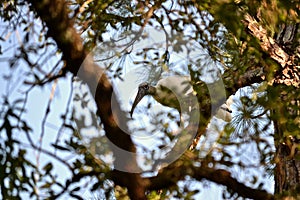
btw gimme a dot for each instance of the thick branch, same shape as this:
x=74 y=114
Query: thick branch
x=169 y=176
x=289 y=72
x=268 y=44
x=224 y=177
x=55 y=15
x=236 y=82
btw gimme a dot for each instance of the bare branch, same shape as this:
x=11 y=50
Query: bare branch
x=181 y=168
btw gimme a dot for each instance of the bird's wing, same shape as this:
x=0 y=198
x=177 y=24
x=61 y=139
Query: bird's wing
x=173 y=91
x=178 y=84
x=166 y=97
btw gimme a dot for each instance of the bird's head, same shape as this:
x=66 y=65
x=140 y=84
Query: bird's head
x=144 y=89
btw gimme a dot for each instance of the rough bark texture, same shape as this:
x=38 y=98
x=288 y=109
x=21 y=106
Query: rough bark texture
x=287 y=158
x=287 y=173
x=288 y=74
x=284 y=50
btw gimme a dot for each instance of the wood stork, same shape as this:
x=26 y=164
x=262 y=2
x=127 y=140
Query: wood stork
x=167 y=92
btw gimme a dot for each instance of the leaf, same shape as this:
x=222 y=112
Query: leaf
x=25 y=127
x=95 y=186
x=46 y=185
x=76 y=189
x=48 y=167
x=60 y=147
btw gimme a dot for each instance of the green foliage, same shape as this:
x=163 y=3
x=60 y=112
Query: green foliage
x=286 y=111
x=15 y=167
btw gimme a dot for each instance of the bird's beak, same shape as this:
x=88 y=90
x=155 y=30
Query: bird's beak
x=141 y=93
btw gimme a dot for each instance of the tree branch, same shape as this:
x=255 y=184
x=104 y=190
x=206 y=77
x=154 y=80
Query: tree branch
x=224 y=177
x=289 y=72
x=268 y=44
x=170 y=175
x=236 y=82
x=55 y=15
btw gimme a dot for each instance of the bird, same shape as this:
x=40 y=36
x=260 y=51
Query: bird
x=168 y=91
x=174 y=92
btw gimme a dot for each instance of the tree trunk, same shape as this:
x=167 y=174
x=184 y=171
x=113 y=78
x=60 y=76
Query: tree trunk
x=287 y=159
x=287 y=171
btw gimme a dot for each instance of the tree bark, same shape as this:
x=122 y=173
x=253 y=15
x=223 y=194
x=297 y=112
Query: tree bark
x=170 y=175
x=61 y=28
x=287 y=157
x=287 y=171
x=288 y=74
